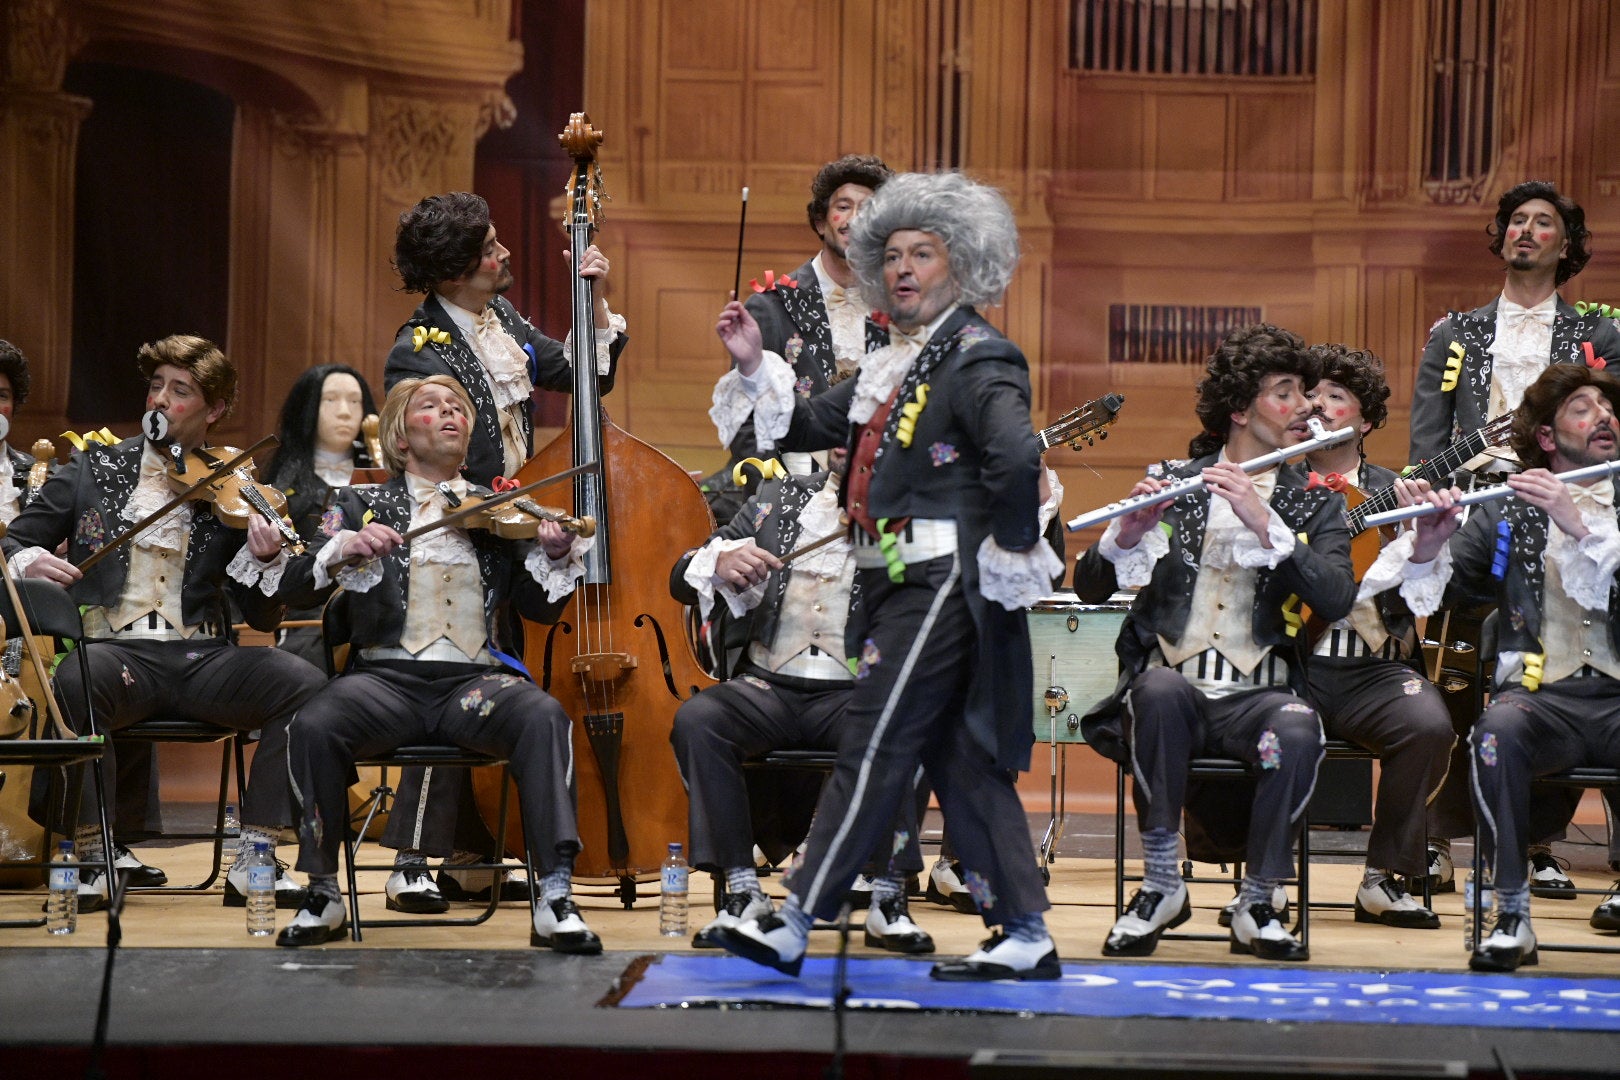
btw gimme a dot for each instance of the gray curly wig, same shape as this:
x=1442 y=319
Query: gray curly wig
x=974 y=221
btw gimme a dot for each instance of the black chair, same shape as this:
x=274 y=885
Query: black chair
x=51 y=612
x=339 y=658
x=1214 y=768
x=167 y=729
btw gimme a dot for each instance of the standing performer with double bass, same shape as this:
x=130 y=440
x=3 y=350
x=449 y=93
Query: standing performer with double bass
x=446 y=248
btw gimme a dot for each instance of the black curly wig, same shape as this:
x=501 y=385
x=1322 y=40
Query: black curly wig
x=862 y=169
x=439 y=239
x=1360 y=372
x=1233 y=374
x=14 y=366
x=1575 y=230
x=1540 y=407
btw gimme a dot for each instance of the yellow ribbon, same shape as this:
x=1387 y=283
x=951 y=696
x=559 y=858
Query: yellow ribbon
x=768 y=469
x=1448 y=381
x=424 y=334
x=1290 y=608
x=908 y=416
x=1534 y=667
x=90 y=438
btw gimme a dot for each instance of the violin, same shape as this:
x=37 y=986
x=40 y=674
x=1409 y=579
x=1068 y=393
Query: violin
x=233 y=493
x=517 y=518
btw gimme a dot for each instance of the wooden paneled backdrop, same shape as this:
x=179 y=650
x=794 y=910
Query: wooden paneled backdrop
x=1329 y=163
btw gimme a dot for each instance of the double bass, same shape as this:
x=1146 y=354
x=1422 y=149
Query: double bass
x=618 y=658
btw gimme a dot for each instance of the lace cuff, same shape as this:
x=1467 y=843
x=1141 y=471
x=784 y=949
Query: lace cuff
x=1016 y=579
x=559 y=576
x=20 y=562
x=248 y=570
x=356 y=579
x=1423 y=584
x=604 y=342
x=700 y=575
x=1049 y=508
x=1588 y=567
x=767 y=393
x=1133 y=567
x=1249 y=553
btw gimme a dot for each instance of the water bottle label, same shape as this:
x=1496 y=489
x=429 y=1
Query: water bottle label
x=261 y=877
x=675 y=878
x=66 y=878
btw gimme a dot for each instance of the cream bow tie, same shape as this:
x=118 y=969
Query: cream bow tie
x=1515 y=314
x=838 y=296
x=915 y=337
x=1599 y=494
x=423 y=492
x=488 y=320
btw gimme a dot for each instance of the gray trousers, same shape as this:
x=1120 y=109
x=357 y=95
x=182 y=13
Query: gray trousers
x=718 y=729
x=1390 y=709
x=247 y=688
x=1168 y=723
x=908 y=707
x=379 y=707
x=1523 y=735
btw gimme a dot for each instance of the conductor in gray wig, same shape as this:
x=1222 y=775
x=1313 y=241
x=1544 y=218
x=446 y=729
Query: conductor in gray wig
x=972 y=219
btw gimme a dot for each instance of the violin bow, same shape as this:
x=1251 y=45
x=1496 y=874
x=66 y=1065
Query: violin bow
x=479 y=507
x=163 y=511
x=742 y=223
x=814 y=545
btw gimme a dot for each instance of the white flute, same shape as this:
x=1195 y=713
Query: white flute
x=1322 y=438
x=1487 y=494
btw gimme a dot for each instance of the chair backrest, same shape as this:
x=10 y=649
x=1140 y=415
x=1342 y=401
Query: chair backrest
x=336 y=633
x=48 y=608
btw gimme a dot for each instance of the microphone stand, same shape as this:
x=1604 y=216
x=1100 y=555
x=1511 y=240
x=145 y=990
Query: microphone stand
x=840 y=998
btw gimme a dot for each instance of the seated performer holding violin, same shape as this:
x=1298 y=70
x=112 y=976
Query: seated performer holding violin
x=429 y=667
x=152 y=579
x=1360 y=676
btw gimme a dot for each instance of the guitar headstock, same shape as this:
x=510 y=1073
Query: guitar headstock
x=1087 y=424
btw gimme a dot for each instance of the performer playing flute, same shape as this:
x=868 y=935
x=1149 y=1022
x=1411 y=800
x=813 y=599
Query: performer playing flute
x=1209 y=663
x=1549 y=553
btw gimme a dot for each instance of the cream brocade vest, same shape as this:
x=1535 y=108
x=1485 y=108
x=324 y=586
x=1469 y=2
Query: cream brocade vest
x=1571 y=635
x=446 y=600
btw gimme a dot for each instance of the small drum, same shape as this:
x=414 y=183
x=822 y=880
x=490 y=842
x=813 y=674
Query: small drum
x=1073 y=649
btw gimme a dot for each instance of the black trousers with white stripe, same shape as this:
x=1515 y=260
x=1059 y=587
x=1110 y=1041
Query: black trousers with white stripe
x=907 y=706
x=1168 y=723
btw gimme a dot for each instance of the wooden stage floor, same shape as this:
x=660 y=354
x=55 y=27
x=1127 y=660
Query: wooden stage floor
x=188 y=978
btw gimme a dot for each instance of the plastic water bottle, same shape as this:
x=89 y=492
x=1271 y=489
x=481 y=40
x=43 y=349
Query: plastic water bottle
x=261 y=891
x=231 y=844
x=1487 y=899
x=672 y=897
x=62 y=906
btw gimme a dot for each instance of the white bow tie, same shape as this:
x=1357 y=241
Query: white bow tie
x=1599 y=494
x=488 y=320
x=1517 y=314
x=423 y=491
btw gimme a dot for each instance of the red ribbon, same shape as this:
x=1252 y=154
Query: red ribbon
x=772 y=281
x=501 y=483
x=1332 y=481
x=1593 y=360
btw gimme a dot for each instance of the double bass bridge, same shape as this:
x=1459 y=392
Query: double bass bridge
x=603 y=667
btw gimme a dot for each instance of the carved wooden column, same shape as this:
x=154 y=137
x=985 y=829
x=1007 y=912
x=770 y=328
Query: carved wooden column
x=39 y=127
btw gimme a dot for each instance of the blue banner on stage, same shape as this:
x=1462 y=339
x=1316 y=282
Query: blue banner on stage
x=1161 y=990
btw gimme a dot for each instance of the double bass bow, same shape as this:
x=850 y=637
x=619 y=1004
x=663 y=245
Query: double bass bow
x=617 y=659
